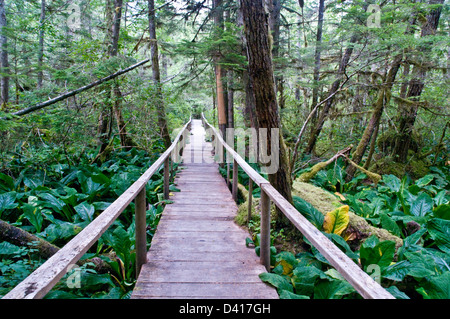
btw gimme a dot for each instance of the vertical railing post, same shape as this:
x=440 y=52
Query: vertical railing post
x=166 y=178
x=250 y=199
x=235 y=180
x=141 y=230
x=265 y=230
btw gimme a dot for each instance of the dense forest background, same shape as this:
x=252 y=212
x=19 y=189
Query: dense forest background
x=360 y=92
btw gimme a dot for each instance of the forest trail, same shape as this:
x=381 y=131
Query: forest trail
x=198 y=251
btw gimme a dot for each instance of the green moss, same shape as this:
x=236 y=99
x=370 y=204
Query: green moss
x=325 y=202
x=416 y=168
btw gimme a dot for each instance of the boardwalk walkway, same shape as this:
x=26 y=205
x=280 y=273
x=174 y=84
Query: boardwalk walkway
x=198 y=251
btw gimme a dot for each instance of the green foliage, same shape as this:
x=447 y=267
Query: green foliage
x=58 y=205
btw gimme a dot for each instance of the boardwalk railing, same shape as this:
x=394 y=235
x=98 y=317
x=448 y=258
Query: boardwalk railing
x=361 y=281
x=39 y=283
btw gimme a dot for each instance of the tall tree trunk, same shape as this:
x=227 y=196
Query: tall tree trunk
x=334 y=87
x=125 y=139
x=159 y=99
x=408 y=111
x=263 y=83
x=383 y=99
x=4 y=81
x=317 y=54
x=221 y=92
x=40 y=76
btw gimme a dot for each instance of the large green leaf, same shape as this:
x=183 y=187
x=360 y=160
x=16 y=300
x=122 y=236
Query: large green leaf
x=438 y=287
x=34 y=216
x=397 y=271
x=375 y=252
x=422 y=205
x=439 y=229
x=424 y=180
x=286 y=294
x=442 y=211
x=7 y=182
x=389 y=224
x=332 y=289
x=85 y=211
x=278 y=281
x=392 y=182
x=309 y=211
x=7 y=201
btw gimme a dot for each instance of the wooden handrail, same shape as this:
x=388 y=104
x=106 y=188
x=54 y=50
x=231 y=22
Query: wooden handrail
x=361 y=281
x=39 y=283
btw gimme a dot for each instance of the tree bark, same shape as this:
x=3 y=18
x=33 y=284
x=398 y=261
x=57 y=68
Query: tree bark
x=334 y=87
x=22 y=238
x=383 y=99
x=408 y=112
x=262 y=79
x=40 y=76
x=159 y=99
x=317 y=54
x=220 y=73
x=4 y=82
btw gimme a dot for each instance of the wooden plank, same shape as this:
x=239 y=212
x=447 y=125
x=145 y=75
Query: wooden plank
x=198 y=251
x=202 y=290
x=39 y=283
x=199 y=271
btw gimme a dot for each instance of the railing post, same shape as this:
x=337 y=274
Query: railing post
x=141 y=230
x=265 y=230
x=235 y=180
x=250 y=199
x=166 y=178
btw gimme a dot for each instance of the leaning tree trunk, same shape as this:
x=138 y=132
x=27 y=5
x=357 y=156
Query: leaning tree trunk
x=383 y=99
x=159 y=99
x=408 y=111
x=263 y=83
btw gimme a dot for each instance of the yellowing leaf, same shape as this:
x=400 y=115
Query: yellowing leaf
x=340 y=195
x=336 y=221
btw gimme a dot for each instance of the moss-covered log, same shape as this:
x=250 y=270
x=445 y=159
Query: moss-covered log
x=21 y=238
x=325 y=202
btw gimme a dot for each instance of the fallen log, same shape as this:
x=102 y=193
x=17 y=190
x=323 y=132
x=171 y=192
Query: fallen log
x=20 y=237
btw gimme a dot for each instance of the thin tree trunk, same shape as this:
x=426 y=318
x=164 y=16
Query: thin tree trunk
x=4 y=82
x=40 y=76
x=408 y=112
x=334 y=87
x=318 y=51
x=383 y=99
x=159 y=99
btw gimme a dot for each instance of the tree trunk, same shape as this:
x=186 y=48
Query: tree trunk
x=408 y=111
x=22 y=238
x=221 y=92
x=159 y=99
x=4 y=82
x=262 y=79
x=317 y=54
x=334 y=87
x=383 y=98
x=41 y=46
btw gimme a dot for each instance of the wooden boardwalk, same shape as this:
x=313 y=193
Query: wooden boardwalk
x=198 y=251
